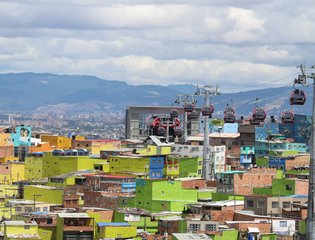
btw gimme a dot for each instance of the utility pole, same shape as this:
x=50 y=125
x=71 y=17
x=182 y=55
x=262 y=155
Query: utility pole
x=184 y=99
x=207 y=166
x=34 y=203
x=310 y=234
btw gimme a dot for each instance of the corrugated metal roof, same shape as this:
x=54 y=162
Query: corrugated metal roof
x=113 y=224
x=73 y=215
x=19 y=223
x=191 y=236
x=23 y=236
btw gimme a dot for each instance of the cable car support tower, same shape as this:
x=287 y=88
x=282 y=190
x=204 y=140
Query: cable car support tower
x=310 y=234
x=207 y=165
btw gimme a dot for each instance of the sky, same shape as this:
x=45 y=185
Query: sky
x=237 y=44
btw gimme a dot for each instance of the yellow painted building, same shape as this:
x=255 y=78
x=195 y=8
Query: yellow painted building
x=115 y=230
x=11 y=172
x=47 y=165
x=8 y=191
x=9 y=159
x=14 y=229
x=5 y=139
x=152 y=150
x=57 y=142
x=96 y=146
x=6 y=210
x=45 y=194
x=130 y=164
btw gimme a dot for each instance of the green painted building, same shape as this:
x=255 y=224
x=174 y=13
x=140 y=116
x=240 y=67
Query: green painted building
x=190 y=167
x=47 y=165
x=162 y=195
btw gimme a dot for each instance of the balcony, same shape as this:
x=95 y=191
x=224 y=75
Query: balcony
x=77 y=224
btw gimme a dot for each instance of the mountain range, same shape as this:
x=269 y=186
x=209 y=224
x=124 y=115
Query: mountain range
x=46 y=92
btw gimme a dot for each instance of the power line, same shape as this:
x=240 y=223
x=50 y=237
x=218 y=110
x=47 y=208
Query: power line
x=266 y=83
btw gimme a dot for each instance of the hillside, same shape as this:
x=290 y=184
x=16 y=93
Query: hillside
x=42 y=92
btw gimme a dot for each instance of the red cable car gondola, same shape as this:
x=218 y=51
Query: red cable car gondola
x=298 y=97
x=189 y=107
x=207 y=110
x=193 y=115
x=259 y=114
x=174 y=113
x=287 y=117
x=253 y=121
x=229 y=117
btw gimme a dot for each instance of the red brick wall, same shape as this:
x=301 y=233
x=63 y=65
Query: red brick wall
x=244 y=183
x=301 y=187
x=6 y=151
x=222 y=216
x=242 y=217
x=242 y=227
x=199 y=183
x=71 y=201
x=298 y=161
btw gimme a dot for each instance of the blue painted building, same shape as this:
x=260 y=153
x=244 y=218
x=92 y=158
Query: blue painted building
x=230 y=128
x=263 y=147
x=261 y=133
x=277 y=162
x=247 y=154
x=156 y=167
x=299 y=130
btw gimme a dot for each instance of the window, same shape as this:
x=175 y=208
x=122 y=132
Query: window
x=37 y=209
x=275 y=204
x=249 y=203
x=260 y=204
x=283 y=223
x=28 y=209
x=27 y=227
x=49 y=221
x=288 y=187
x=211 y=227
x=18 y=209
x=194 y=227
x=45 y=209
x=199 y=171
x=56 y=180
x=286 y=204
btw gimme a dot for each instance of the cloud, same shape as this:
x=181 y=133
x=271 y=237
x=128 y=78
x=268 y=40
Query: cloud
x=238 y=44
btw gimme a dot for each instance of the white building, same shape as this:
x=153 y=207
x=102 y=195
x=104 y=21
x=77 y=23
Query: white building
x=217 y=154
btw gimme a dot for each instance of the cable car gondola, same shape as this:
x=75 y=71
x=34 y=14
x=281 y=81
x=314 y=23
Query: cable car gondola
x=254 y=121
x=259 y=114
x=287 y=117
x=189 y=107
x=229 y=109
x=229 y=117
x=160 y=131
x=207 y=110
x=297 y=97
x=178 y=132
x=193 y=115
x=174 y=113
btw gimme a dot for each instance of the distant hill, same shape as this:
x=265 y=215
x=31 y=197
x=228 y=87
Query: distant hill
x=42 y=92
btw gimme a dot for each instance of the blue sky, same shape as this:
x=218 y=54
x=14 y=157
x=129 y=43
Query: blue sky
x=238 y=44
